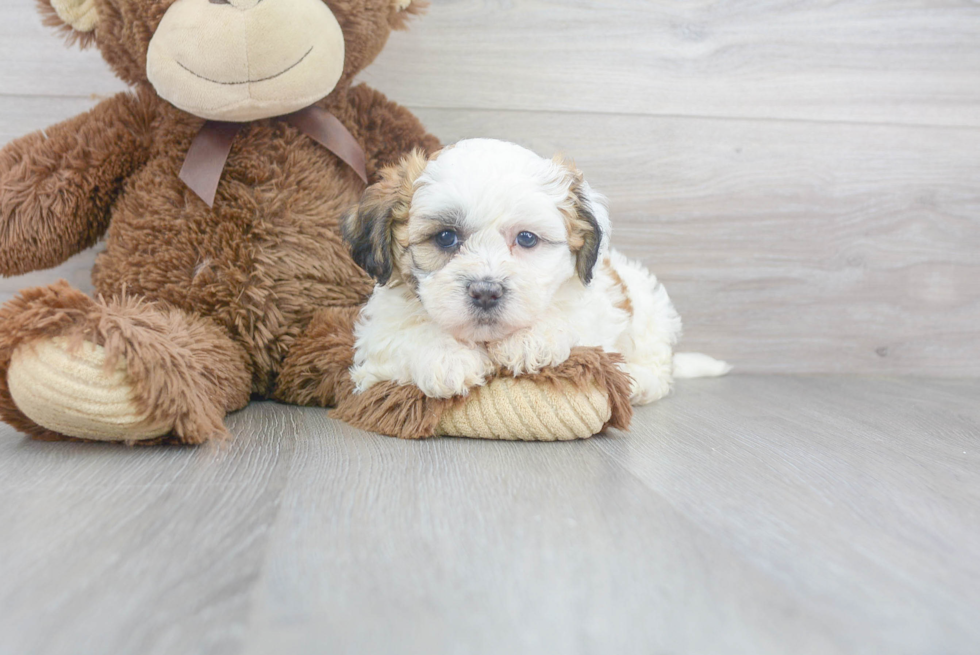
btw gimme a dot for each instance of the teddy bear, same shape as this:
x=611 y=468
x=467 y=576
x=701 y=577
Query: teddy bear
x=197 y=305
x=218 y=183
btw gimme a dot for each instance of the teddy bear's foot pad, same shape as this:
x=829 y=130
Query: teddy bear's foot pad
x=71 y=391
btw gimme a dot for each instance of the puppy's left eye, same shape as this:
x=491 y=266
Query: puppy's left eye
x=527 y=239
x=447 y=239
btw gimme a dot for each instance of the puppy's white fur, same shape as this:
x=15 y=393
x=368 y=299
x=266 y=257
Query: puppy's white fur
x=423 y=327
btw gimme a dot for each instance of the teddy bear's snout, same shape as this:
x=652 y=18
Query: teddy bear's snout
x=242 y=5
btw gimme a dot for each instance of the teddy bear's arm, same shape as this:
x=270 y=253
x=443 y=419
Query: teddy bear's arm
x=57 y=185
x=387 y=130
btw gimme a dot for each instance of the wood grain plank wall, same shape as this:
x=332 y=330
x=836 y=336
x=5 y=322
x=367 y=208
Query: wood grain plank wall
x=803 y=175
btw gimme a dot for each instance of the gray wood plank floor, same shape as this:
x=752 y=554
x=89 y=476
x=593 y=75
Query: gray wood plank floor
x=741 y=515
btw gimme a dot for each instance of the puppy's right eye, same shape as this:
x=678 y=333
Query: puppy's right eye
x=527 y=239
x=447 y=239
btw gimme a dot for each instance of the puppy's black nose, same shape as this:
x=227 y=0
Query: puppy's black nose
x=485 y=294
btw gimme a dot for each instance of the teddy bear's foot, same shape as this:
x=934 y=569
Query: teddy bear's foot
x=123 y=370
x=74 y=391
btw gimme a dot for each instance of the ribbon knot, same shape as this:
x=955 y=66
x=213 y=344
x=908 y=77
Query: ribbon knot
x=208 y=154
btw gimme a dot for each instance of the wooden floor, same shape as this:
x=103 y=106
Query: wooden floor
x=742 y=515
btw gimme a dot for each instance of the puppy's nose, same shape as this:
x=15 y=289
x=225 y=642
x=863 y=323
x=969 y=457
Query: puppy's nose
x=485 y=294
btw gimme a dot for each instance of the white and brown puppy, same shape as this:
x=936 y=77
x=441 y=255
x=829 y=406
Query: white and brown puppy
x=489 y=257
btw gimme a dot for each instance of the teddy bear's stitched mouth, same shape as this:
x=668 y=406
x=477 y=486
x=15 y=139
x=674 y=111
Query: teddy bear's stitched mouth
x=263 y=79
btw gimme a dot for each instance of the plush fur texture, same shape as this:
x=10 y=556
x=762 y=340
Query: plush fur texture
x=185 y=368
x=491 y=259
x=316 y=373
x=204 y=304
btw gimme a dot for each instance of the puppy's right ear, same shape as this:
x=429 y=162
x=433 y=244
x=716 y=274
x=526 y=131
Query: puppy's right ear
x=372 y=227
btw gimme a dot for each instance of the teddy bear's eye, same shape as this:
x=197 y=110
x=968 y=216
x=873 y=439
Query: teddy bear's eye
x=527 y=239
x=447 y=239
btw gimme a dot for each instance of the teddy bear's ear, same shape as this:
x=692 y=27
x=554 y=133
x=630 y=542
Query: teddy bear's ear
x=76 y=18
x=402 y=10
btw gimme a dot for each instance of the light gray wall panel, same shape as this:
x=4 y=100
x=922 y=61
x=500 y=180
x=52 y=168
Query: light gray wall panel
x=803 y=176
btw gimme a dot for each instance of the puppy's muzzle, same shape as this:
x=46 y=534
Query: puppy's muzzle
x=485 y=294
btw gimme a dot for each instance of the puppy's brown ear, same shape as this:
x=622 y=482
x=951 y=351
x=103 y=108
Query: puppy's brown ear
x=587 y=224
x=587 y=221
x=372 y=227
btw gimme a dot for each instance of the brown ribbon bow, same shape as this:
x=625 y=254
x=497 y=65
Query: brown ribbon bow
x=209 y=150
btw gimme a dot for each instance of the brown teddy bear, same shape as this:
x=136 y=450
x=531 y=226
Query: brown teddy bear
x=220 y=181
x=198 y=305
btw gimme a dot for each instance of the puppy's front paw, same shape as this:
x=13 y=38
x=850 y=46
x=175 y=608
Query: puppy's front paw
x=451 y=373
x=530 y=350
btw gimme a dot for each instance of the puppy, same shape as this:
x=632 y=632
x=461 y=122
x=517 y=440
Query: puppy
x=489 y=257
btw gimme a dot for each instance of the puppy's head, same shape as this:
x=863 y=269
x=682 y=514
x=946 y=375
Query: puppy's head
x=485 y=233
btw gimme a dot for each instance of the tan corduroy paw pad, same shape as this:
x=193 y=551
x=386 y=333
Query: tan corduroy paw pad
x=80 y=14
x=71 y=392
x=519 y=409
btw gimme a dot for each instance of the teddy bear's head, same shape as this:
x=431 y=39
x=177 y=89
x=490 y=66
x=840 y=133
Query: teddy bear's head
x=234 y=60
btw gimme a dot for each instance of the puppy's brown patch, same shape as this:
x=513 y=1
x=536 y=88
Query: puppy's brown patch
x=625 y=304
x=377 y=228
x=424 y=254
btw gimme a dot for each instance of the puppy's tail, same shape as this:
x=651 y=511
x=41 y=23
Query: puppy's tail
x=696 y=365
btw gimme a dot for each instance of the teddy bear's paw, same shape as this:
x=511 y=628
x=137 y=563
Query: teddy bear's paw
x=71 y=391
x=528 y=351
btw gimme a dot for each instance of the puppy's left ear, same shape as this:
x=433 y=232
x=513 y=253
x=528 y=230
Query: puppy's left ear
x=371 y=227
x=587 y=220
x=402 y=10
